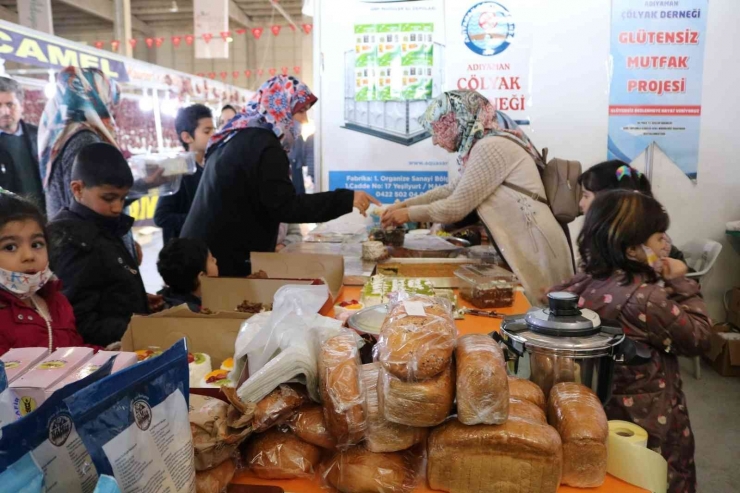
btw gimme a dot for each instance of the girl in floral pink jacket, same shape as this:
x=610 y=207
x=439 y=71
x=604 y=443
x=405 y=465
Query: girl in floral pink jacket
x=658 y=307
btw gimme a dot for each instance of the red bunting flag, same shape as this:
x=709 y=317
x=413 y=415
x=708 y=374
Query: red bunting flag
x=257 y=32
x=225 y=35
x=115 y=44
x=201 y=74
x=297 y=69
x=133 y=42
x=248 y=73
x=275 y=29
x=261 y=72
x=235 y=74
x=307 y=28
x=149 y=42
x=224 y=75
x=176 y=40
x=160 y=42
x=284 y=70
x=99 y=45
x=241 y=31
x=207 y=37
x=212 y=75
x=273 y=71
x=189 y=39
x=292 y=27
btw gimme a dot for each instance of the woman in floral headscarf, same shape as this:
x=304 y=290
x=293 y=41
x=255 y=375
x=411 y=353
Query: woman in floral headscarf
x=79 y=114
x=497 y=166
x=246 y=190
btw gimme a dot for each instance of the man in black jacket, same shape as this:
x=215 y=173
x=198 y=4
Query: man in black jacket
x=19 y=161
x=194 y=126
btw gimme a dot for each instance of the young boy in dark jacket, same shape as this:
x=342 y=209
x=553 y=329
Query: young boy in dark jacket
x=182 y=263
x=100 y=277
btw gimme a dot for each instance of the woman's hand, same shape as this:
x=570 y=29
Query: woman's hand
x=363 y=200
x=395 y=218
x=392 y=208
x=673 y=269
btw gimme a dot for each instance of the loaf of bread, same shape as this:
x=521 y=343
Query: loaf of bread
x=526 y=410
x=215 y=480
x=524 y=390
x=279 y=405
x=341 y=389
x=482 y=387
x=309 y=424
x=577 y=414
x=421 y=404
x=413 y=347
x=518 y=456
x=383 y=435
x=279 y=454
x=357 y=470
x=548 y=370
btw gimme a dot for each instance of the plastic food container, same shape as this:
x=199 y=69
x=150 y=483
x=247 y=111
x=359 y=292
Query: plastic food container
x=487 y=286
x=485 y=253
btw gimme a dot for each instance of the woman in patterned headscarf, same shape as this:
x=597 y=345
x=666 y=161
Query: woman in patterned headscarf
x=79 y=114
x=492 y=152
x=246 y=190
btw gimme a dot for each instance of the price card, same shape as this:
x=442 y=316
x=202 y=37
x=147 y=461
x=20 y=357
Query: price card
x=415 y=308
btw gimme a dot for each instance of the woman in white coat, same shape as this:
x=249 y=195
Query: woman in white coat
x=525 y=230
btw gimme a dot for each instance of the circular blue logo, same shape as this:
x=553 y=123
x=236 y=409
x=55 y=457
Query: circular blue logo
x=488 y=28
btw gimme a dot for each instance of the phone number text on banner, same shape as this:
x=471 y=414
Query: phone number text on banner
x=388 y=186
x=657 y=50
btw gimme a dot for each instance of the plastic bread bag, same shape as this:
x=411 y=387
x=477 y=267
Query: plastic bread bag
x=383 y=435
x=139 y=416
x=214 y=441
x=49 y=435
x=482 y=386
x=417 y=338
x=23 y=476
x=107 y=484
x=278 y=406
x=215 y=480
x=421 y=404
x=164 y=169
x=309 y=424
x=280 y=454
x=357 y=470
x=342 y=391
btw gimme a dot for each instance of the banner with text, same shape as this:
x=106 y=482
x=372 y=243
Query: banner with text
x=657 y=50
x=388 y=186
x=489 y=47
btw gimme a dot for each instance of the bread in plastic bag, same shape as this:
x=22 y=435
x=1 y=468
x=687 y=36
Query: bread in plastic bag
x=518 y=455
x=342 y=393
x=383 y=435
x=278 y=406
x=525 y=390
x=280 y=454
x=421 y=404
x=309 y=424
x=214 y=441
x=576 y=412
x=357 y=470
x=482 y=387
x=414 y=347
x=519 y=409
x=215 y=480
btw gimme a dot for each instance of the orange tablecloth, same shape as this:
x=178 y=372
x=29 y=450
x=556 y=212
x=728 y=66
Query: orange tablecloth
x=471 y=325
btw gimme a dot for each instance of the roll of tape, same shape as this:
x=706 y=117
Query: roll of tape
x=629 y=459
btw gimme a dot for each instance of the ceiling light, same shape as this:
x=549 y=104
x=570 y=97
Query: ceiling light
x=146 y=104
x=307 y=9
x=229 y=39
x=49 y=90
x=174 y=7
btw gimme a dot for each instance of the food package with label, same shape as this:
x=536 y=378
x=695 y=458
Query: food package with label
x=483 y=458
x=279 y=406
x=280 y=454
x=121 y=360
x=383 y=435
x=421 y=404
x=525 y=390
x=214 y=441
x=576 y=412
x=482 y=386
x=357 y=470
x=140 y=416
x=19 y=360
x=309 y=424
x=50 y=437
x=417 y=338
x=215 y=480
x=342 y=393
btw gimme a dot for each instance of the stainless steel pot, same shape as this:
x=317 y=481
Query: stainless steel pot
x=564 y=344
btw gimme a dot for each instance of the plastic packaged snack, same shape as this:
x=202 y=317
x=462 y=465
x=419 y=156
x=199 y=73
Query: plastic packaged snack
x=383 y=435
x=482 y=388
x=49 y=435
x=576 y=412
x=139 y=416
x=357 y=470
x=487 y=285
x=279 y=454
x=215 y=480
x=24 y=476
x=214 y=440
x=342 y=393
x=421 y=404
x=278 y=406
x=417 y=338
x=309 y=424
x=524 y=390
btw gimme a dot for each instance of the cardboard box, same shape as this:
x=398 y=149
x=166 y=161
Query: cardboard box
x=123 y=360
x=733 y=308
x=33 y=388
x=724 y=351
x=302 y=266
x=224 y=294
x=19 y=360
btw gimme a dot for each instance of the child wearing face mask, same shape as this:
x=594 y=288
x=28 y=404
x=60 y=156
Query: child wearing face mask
x=33 y=310
x=625 y=279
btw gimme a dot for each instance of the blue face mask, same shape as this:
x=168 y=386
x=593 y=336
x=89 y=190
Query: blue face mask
x=107 y=484
x=24 y=476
